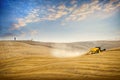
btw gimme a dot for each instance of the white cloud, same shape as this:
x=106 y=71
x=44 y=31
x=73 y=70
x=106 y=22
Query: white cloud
x=20 y=23
x=50 y=13
x=94 y=8
x=108 y=10
x=31 y=17
x=83 y=11
x=73 y=2
x=74 y=13
x=62 y=7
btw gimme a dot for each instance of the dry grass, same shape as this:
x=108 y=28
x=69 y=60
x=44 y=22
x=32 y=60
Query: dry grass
x=21 y=61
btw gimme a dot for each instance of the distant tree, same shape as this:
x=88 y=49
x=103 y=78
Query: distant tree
x=15 y=38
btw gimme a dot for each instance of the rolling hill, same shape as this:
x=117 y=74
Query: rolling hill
x=30 y=60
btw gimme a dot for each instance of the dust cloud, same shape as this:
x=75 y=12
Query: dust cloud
x=66 y=51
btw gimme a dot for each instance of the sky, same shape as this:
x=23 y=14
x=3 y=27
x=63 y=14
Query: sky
x=60 y=20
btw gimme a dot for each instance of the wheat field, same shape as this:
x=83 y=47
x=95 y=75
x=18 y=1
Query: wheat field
x=22 y=61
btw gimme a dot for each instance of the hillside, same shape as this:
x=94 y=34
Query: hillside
x=77 y=45
x=27 y=60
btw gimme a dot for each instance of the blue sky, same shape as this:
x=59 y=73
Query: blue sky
x=60 y=20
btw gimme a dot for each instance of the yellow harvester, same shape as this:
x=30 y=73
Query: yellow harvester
x=95 y=50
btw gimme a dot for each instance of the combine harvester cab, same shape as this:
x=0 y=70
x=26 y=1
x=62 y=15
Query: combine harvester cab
x=95 y=50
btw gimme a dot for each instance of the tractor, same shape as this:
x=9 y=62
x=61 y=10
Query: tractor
x=96 y=50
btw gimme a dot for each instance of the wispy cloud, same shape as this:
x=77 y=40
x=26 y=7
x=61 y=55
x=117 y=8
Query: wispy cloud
x=73 y=2
x=95 y=7
x=109 y=9
x=72 y=13
x=31 y=17
x=38 y=15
